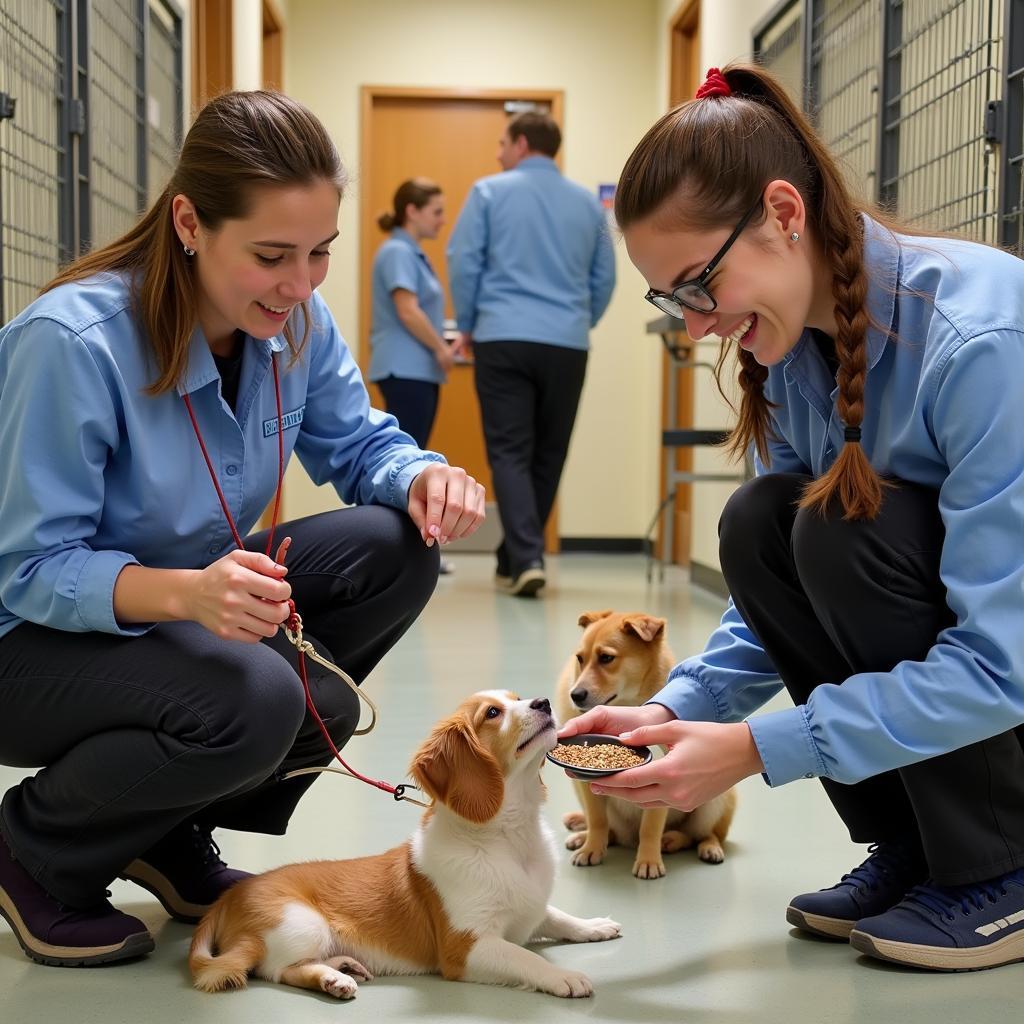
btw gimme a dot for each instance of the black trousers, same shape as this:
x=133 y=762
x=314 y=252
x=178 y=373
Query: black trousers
x=528 y=394
x=828 y=598
x=413 y=403
x=136 y=735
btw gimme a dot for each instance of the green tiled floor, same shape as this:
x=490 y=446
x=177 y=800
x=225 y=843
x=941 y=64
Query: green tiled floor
x=704 y=944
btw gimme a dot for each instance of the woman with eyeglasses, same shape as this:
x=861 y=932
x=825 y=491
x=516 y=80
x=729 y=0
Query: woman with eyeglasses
x=876 y=562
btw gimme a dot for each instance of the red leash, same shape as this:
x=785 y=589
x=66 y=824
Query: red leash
x=293 y=625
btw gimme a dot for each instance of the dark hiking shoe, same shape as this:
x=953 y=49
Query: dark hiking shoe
x=184 y=872
x=61 y=936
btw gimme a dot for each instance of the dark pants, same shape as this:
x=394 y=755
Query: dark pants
x=413 y=403
x=528 y=395
x=137 y=734
x=828 y=598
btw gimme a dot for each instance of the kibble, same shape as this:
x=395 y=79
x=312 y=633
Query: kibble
x=602 y=756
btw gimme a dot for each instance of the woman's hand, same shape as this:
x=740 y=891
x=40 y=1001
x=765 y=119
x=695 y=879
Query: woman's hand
x=611 y=721
x=444 y=358
x=704 y=759
x=445 y=503
x=462 y=347
x=242 y=596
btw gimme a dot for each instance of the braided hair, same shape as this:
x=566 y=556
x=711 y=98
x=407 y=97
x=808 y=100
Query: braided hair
x=701 y=166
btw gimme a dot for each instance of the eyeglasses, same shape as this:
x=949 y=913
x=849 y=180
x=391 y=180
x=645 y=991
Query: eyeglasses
x=693 y=294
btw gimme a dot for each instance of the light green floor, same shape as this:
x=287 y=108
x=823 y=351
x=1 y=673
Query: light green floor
x=704 y=944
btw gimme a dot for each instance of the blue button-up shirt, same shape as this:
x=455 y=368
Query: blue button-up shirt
x=943 y=408
x=531 y=258
x=401 y=263
x=96 y=474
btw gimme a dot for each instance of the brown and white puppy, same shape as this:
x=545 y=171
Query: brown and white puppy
x=624 y=659
x=459 y=898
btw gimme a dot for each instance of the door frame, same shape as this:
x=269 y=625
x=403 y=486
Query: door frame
x=683 y=78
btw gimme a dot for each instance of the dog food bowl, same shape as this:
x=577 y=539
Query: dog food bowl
x=593 y=739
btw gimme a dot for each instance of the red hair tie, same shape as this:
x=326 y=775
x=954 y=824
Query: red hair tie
x=714 y=85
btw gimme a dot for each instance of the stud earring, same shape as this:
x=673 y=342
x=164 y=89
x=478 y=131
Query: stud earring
x=795 y=237
x=188 y=251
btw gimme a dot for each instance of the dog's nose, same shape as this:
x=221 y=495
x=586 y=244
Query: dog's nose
x=579 y=697
x=541 y=704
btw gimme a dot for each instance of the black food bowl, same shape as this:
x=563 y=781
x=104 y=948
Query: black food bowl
x=593 y=739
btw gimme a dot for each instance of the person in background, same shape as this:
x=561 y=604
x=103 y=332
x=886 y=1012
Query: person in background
x=143 y=668
x=876 y=562
x=410 y=359
x=531 y=270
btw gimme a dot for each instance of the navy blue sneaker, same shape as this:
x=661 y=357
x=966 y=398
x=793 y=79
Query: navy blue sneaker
x=873 y=887
x=950 y=928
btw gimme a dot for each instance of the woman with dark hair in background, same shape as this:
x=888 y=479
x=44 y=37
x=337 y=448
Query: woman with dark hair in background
x=410 y=358
x=142 y=663
x=876 y=563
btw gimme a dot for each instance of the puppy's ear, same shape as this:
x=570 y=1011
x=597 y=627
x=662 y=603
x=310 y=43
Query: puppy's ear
x=455 y=769
x=646 y=627
x=588 y=617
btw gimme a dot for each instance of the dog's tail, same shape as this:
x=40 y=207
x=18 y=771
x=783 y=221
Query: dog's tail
x=213 y=969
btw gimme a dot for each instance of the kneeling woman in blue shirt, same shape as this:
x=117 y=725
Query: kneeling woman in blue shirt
x=876 y=563
x=410 y=358
x=142 y=660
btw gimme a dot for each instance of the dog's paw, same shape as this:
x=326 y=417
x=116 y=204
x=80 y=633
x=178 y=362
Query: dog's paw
x=710 y=850
x=589 y=856
x=575 y=821
x=598 y=929
x=567 y=984
x=339 y=985
x=674 y=840
x=649 y=868
x=349 y=965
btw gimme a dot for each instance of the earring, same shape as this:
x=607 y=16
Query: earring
x=188 y=251
x=795 y=237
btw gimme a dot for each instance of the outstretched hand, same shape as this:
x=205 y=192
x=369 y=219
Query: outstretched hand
x=703 y=760
x=445 y=503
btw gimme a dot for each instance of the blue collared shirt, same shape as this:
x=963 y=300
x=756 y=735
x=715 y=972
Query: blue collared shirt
x=401 y=263
x=943 y=408
x=531 y=258
x=96 y=474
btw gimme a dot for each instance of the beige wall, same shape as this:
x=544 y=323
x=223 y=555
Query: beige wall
x=600 y=52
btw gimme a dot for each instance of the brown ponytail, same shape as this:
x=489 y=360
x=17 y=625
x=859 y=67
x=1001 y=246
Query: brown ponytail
x=416 y=192
x=702 y=165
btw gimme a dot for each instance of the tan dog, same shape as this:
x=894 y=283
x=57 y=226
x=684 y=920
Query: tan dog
x=459 y=898
x=623 y=659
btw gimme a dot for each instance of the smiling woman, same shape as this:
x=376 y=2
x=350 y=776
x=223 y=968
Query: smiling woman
x=875 y=563
x=141 y=657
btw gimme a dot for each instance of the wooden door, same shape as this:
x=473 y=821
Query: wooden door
x=452 y=138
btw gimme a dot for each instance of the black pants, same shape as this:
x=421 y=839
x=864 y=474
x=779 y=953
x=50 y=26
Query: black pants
x=135 y=735
x=529 y=394
x=828 y=598
x=413 y=403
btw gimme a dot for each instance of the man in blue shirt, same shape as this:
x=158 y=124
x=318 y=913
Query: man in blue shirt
x=531 y=270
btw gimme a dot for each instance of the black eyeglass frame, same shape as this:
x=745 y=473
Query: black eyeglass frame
x=653 y=295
